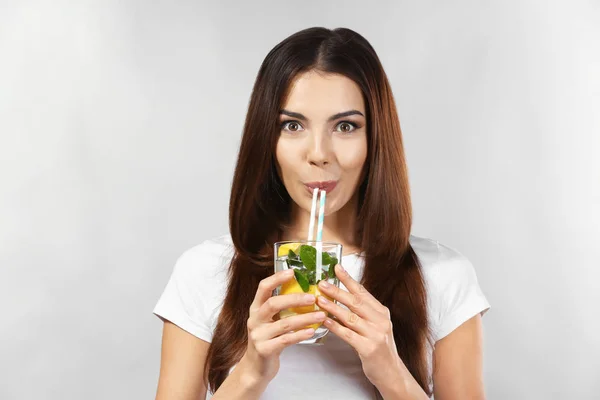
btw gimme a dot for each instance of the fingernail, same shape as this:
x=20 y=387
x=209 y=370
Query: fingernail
x=342 y=270
x=323 y=300
x=324 y=284
x=309 y=298
x=289 y=272
x=320 y=316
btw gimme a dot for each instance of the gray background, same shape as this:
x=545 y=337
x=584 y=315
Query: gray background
x=119 y=126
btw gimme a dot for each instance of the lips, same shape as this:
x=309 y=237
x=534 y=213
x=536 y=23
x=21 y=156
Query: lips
x=327 y=186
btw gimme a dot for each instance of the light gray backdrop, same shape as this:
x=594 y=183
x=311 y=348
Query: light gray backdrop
x=120 y=121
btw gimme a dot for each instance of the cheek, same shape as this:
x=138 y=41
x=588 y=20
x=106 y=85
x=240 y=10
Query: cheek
x=284 y=156
x=353 y=156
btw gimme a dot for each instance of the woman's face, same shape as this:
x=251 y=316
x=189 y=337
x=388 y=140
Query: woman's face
x=323 y=139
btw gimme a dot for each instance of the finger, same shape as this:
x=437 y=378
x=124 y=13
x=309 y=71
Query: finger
x=358 y=289
x=276 y=345
x=296 y=323
x=349 y=336
x=347 y=317
x=357 y=303
x=353 y=286
x=277 y=303
x=267 y=285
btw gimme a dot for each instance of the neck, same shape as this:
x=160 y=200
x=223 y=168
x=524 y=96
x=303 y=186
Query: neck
x=339 y=227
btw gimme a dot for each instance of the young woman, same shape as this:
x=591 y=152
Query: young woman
x=409 y=323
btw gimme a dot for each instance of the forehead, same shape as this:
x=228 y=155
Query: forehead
x=319 y=95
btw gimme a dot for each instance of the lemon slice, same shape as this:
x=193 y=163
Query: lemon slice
x=284 y=249
x=293 y=287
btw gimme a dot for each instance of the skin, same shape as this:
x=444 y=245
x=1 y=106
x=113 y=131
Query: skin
x=318 y=148
x=367 y=328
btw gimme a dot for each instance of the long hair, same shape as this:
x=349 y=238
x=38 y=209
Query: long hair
x=260 y=205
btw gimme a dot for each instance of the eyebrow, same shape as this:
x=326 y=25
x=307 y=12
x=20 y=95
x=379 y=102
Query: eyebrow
x=332 y=118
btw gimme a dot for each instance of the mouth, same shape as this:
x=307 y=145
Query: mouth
x=327 y=186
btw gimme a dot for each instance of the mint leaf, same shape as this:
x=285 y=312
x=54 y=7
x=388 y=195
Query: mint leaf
x=312 y=276
x=331 y=262
x=308 y=255
x=331 y=271
x=291 y=254
x=294 y=263
x=302 y=280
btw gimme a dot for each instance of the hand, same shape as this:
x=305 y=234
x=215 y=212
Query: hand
x=267 y=338
x=366 y=326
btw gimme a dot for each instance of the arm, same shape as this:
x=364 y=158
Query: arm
x=182 y=365
x=458 y=360
x=183 y=357
x=457 y=371
x=241 y=384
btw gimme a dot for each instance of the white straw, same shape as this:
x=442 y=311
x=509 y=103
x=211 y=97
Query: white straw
x=321 y=216
x=313 y=210
x=320 y=235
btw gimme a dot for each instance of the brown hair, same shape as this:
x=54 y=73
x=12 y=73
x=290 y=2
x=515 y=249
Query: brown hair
x=260 y=205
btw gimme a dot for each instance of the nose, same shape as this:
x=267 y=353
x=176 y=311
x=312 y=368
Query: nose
x=319 y=149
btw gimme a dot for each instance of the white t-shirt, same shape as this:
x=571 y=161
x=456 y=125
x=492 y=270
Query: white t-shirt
x=195 y=292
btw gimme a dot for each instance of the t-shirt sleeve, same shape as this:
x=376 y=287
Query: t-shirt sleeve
x=458 y=296
x=191 y=296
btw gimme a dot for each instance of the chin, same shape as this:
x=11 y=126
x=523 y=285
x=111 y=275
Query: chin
x=331 y=208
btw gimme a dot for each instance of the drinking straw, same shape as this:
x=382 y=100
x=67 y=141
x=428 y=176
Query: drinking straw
x=313 y=210
x=320 y=235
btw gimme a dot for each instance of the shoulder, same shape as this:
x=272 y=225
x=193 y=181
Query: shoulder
x=207 y=259
x=213 y=249
x=453 y=290
x=441 y=264
x=197 y=286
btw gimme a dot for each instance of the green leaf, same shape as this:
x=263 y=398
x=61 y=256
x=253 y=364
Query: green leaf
x=293 y=255
x=294 y=263
x=308 y=255
x=326 y=259
x=302 y=280
x=312 y=275
x=331 y=272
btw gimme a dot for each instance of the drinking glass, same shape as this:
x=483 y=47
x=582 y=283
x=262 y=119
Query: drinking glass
x=301 y=256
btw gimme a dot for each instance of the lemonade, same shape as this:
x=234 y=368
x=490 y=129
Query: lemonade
x=293 y=286
x=302 y=258
x=284 y=249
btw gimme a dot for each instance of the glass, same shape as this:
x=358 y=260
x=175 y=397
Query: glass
x=301 y=256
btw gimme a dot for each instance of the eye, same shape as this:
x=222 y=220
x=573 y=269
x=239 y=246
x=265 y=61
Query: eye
x=292 y=126
x=346 y=126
